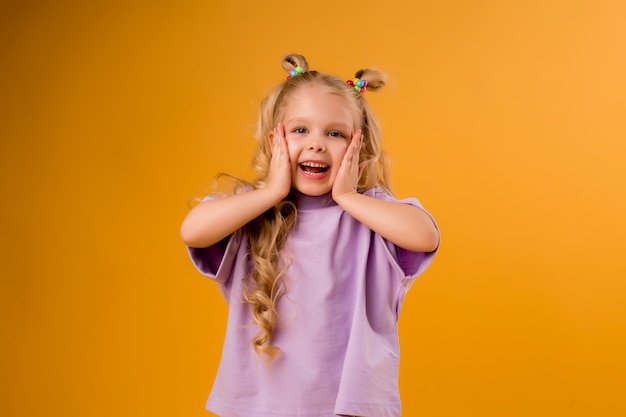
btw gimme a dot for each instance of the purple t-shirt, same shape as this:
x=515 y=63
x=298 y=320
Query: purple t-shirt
x=337 y=327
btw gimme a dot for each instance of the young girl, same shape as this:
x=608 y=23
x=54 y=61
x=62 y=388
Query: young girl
x=314 y=258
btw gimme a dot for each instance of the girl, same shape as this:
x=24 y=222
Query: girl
x=313 y=257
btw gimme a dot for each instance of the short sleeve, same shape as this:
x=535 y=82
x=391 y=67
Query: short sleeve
x=411 y=263
x=217 y=261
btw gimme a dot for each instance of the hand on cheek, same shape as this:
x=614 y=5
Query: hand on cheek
x=348 y=175
x=279 y=176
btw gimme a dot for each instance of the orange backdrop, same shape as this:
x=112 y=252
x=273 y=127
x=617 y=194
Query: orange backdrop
x=505 y=118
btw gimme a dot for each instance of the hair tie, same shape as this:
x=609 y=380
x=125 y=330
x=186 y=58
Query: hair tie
x=359 y=85
x=295 y=72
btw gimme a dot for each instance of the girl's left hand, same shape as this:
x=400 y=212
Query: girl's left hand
x=348 y=175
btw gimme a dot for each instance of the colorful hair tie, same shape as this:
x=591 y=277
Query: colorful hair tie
x=359 y=85
x=295 y=72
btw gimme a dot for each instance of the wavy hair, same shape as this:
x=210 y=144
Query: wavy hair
x=268 y=233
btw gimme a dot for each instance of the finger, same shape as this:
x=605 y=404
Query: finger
x=357 y=139
x=357 y=142
x=280 y=150
x=274 y=140
x=279 y=133
x=358 y=154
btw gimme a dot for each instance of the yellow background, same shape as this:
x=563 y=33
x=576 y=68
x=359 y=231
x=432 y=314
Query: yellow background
x=506 y=119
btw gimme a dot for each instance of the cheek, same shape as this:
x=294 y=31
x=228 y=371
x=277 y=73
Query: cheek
x=339 y=150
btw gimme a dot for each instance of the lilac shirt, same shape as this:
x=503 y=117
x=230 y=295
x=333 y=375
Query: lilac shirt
x=337 y=327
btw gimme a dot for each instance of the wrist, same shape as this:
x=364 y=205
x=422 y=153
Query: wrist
x=345 y=200
x=273 y=195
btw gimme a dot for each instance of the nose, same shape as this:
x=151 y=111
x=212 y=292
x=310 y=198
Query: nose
x=316 y=145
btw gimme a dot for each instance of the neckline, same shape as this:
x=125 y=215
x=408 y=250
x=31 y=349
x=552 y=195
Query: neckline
x=307 y=202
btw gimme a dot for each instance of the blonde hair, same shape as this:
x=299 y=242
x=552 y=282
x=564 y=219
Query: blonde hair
x=267 y=234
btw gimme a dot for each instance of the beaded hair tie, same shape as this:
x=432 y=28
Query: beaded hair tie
x=359 y=85
x=295 y=72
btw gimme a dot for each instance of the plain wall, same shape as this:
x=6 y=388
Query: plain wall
x=505 y=118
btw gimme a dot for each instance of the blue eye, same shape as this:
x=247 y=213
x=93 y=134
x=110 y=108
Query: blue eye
x=336 y=134
x=300 y=130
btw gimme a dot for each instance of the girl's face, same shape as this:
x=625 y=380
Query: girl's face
x=318 y=127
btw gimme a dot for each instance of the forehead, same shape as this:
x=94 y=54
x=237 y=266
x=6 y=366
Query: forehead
x=321 y=102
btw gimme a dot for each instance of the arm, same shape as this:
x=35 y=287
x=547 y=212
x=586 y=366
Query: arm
x=213 y=220
x=404 y=225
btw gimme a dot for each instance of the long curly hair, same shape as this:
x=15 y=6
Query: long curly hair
x=268 y=233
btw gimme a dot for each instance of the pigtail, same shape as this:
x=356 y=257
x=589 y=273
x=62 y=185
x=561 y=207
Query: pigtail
x=373 y=159
x=293 y=61
x=268 y=233
x=375 y=79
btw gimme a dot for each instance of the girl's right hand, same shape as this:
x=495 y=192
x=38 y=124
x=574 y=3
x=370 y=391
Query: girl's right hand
x=213 y=220
x=279 y=175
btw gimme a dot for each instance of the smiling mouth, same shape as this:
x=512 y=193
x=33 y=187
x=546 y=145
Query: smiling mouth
x=314 y=168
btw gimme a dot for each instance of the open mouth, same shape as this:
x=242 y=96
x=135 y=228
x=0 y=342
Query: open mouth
x=314 y=168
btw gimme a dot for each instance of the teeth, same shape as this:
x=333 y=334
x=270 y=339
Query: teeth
x=313 y=165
